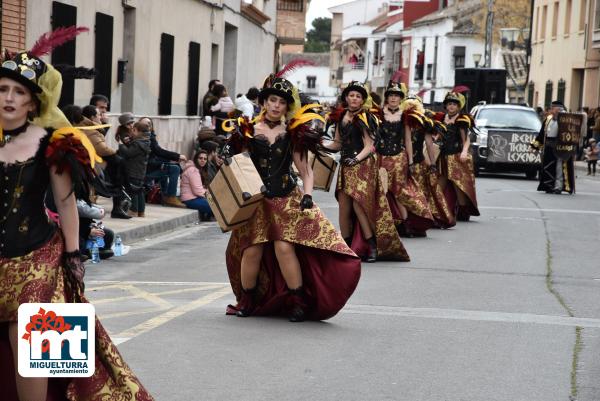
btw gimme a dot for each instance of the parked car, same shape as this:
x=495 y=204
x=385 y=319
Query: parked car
x=501 y=137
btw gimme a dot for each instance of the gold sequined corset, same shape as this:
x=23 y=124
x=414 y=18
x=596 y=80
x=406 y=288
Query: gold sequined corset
x=274 y=164
x=24 y=225
x=391 y=138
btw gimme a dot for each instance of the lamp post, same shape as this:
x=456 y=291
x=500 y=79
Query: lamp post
x=476 y=59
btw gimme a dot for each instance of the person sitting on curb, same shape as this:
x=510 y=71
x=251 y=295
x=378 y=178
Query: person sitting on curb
x=90 y=227
x=214 y=160
x=136 y=154
x=193 y=191
x=164 y=165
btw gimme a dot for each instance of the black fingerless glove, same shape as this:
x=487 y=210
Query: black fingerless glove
x=351 y=162
x=306 y=202
x=74 y=268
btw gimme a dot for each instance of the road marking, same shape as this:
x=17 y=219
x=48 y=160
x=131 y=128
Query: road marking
x=532 y=209
x=129 y=313
x=482 y=316
x=113 y=283
x=170 y=315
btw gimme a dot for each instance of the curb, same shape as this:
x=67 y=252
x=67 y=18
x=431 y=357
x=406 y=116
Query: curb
x=141 y=232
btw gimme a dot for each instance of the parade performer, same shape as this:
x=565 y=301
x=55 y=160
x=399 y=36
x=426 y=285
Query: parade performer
x=456 y=162
x=40 y=263
x=556 y=174
x=400 y=146
x=366 y=220
x=288 y=259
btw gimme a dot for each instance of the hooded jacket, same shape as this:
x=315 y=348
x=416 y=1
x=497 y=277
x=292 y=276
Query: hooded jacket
x=191 y=182
x=136 y=157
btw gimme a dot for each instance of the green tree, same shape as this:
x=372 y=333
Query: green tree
x=318 y=38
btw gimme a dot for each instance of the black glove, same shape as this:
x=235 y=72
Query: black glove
x=433 y=168
x=306 y=202
x=75 y=269
x=351 y=162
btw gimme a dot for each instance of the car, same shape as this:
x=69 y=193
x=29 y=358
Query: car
x=501 y=136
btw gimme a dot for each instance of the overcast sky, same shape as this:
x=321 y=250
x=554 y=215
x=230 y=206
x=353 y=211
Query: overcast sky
x=318 y=8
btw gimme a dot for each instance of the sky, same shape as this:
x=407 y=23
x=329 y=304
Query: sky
x=318 y=8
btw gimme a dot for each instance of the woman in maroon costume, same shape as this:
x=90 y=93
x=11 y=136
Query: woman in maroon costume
x=40 y=263
x=288 y=259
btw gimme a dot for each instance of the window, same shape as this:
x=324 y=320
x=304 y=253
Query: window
x=377 y=53
x=64 y=15
x=597 y=16
x=458 y=54
x=398 y=55
x=530 y=92
x=536 y=34
x=419 y=65
x=560 y=90
x=429 y=71
x=405 y=55
x=103 y=54
x=193 y=79
x=290 y=5
x=311 y=82
x=544 y=20
x=165 y=86
x=582 y=8
x=548 y=94
x=555 y=20
x=568 y=17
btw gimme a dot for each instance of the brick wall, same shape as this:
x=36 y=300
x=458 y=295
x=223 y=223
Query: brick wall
x=13 y=24
x=290 y=25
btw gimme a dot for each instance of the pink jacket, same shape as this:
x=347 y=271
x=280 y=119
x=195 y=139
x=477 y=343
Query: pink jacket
x=225 y=105
x=191 y=183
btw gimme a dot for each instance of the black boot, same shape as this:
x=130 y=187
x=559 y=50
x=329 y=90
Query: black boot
x=296 y=305
x=117 y=212
x=402 y=230
x=462 y=214
x=372 y=256
x=247 y=303
x=348 y=241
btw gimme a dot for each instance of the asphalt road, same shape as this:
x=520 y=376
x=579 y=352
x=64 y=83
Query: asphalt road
x=503 y=308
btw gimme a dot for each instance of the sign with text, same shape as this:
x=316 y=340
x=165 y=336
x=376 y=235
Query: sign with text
x=569 y=134
x=511 y=147
x=56 y=340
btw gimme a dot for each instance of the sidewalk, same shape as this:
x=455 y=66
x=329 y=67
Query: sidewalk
x=159 y=219
x=581 y=167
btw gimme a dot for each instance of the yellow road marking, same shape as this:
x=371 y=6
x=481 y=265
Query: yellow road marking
x=129 y=313
x=171 y=314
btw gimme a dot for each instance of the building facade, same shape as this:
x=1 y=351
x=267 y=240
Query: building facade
x=291 y=16
x=313 y=80
x=565 y=53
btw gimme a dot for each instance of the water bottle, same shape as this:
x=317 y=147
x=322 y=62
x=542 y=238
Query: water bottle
x=100 y=242
x=95 y=252
x=118 y=249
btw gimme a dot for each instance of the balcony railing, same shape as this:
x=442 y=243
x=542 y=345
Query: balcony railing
x=360 y=65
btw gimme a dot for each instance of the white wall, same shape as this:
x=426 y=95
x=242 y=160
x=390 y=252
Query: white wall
x=323 y=90
x=359 y=11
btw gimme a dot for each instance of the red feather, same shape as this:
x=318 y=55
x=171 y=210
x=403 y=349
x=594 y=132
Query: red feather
x=422 y=92
x=51 y=40
x=460 y=89
x=293 y=66
x=398 y=75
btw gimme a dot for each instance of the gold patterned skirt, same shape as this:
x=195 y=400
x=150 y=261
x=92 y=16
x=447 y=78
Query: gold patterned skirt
x=403 y=189
x=330 y=270
x=39 y=277
x=461 y=176
x=429 y=185
x=361 y=182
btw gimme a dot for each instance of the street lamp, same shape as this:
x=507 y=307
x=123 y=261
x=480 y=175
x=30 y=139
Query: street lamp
x=476 y=59
x=509 y=37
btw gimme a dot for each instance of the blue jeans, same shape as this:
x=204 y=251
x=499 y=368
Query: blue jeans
x=168 y=175
x=200 y=204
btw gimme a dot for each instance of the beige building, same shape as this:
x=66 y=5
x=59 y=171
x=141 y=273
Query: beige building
x=565 y=55
x=291 y=25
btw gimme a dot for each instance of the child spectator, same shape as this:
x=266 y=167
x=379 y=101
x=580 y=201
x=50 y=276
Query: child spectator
x=136 y=158
x=224 y=104
x=591 y=153
x=193 y=189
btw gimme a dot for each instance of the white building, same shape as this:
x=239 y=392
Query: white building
x=312 y=80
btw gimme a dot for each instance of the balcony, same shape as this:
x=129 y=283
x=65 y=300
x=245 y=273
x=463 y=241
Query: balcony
x=358 y=66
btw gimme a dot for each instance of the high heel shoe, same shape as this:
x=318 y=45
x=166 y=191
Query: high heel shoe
x=247 y=302
x=296 y=305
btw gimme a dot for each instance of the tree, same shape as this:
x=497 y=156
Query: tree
x=319 y=37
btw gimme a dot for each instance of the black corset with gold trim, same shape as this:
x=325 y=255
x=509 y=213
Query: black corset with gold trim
x=274 y=164
x=391 y=138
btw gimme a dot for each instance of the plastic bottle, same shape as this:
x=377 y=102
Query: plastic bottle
x=95 y=252
x=118 y=248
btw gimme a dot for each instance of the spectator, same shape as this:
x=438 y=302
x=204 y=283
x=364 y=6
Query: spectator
x=101 y=102
x=193 y=190
x=126 y=121
x=252 y=95
x=209 y=98
x=245 y=105
x=591 y=153
x=136 y=154
x=214 y=160
x=224 y=104
x=164 y=165
x=91 y=113
x=91 y=227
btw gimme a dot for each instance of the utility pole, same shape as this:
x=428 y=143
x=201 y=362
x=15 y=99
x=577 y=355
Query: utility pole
x=489 y=34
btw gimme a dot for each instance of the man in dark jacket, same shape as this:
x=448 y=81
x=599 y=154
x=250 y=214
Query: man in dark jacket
x=209 y=98
x=164 y=166
x=136 y=154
